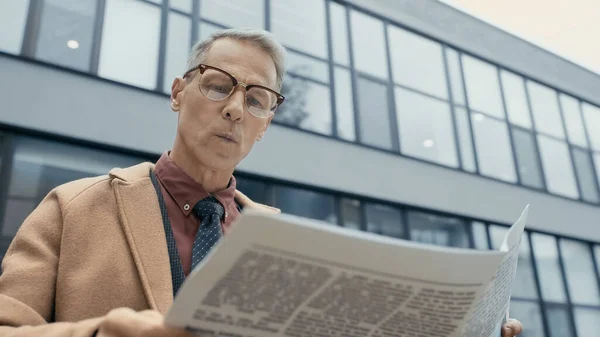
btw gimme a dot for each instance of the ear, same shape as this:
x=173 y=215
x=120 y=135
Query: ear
x=262 y=133
x=176 y=89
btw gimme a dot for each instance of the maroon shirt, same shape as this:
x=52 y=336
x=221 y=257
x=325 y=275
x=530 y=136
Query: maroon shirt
x=181 y=193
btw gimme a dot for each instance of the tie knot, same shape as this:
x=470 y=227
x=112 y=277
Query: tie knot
x=207 y=207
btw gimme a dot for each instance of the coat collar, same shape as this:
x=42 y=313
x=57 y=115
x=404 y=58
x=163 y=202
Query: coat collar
x=139 y=213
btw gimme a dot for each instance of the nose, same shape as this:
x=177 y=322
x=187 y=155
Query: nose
x=234 y=108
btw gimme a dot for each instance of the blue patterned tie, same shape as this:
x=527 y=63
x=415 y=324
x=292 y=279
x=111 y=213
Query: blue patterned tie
x=209 y=211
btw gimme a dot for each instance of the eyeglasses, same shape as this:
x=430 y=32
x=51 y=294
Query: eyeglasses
x=217 y=84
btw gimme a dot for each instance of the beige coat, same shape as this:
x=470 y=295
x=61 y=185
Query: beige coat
x=92 y=245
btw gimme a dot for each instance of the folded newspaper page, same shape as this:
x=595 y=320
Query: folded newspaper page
x=281 y=275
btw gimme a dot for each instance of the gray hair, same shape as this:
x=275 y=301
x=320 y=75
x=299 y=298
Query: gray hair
x=261 y=38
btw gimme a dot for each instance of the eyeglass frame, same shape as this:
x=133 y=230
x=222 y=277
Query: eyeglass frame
x=203 y=67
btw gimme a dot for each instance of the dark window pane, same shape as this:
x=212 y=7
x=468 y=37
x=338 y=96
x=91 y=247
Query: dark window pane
x=546 y=258
x=530 y=315
x=585 y=174
x=66 y=33
x=558 y=170
x=384 y=220
x=587 y=322
x=255 y=190
x=373 y=114
x=305 y=203
x=350 y=213
x=456 y=79
x=581 y=277
x=527 y=159
x=464 y=139
x=591 y=115
x=479 y=235
x=343 y=104
x=559 y=322
x=437 y=230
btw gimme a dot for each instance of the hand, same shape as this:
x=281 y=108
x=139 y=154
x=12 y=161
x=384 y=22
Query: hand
x=511 y=328
x=124 y=322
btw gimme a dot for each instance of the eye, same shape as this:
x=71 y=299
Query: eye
x=253 y=102
x=218 y=88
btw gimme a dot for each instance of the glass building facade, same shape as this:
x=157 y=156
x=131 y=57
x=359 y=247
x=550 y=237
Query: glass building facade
x=353 y=76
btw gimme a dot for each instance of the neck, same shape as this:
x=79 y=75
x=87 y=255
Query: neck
x=211 y=180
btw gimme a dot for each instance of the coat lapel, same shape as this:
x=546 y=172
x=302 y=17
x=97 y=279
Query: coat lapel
x=142 y=224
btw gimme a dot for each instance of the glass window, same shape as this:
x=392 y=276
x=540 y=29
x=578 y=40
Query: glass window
x=483 y=87
x=305 y=203
x=306 y=66
x=559 y=322
x=493 y=150
x=546 y=258
x=179 y=32
x=479 y=235
x=368 y=31
x=307 y=105
x=182 y=5
x=205 y=30
x=585 y=175
x=456 y=79
x=425 y=128
x=581 y=277
x=437 y=230
x=235 y=13
x=343 y=104
x=527 y=158
x=384 y=220
x=546 y=113
x=300 y=25
x=350 y=209
x=254 y=189
x=129 y=53
x=587 y=322
x=13 y=18
x=339 y=33
x=573 y=120
x=373 y=114
x=516 y=99
x=558 y=170
x=66 y=33
x=417 y=62
x=530 y=315
x=464 y=139
x=524 y=286
x=597 y=255
x=39 y=166
x=591 y=114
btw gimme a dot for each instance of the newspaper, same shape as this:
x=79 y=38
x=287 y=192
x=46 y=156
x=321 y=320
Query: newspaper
x=281 y=275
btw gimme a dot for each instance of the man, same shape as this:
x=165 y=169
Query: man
x=104 y=256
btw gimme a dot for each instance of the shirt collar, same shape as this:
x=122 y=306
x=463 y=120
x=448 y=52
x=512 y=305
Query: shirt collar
x=184 y=190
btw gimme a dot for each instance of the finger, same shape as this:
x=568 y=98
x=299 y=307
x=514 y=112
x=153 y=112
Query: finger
x=515 y=326
x=507 y=331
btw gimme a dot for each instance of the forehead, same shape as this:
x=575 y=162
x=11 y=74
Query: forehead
x=244 y=60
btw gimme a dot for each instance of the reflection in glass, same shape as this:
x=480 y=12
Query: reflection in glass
x=384 y=220
x=516 y=99
x=581 y=277
x=339 y=33
x=254 y=189
x=456 y=79
x=293 y=22
x=417 y=62
x=530 y=316
x=591 y=114
x=13 y=17
x=343 y=104
x=305 y=203
x=558 y=170
x=306 y=66
x=585 y=174
x=587 y=322
x=234 y=13
x=350 y=209
x=573 y=120
x=66 y=33
x=464 y=139
x=548 y=268
x=546 y=113
x=527 y=159
x=373 y=114
x=493 y=150
x=559 y=322
x=39 y=166
x=437 y=230
x=368 y=31
x=307 y=105
x=425 y=128
x=483 y=87
x=177 y=48
x=479 y=235
x=129 y=53
x=182 y=5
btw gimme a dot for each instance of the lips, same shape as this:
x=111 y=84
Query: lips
x=227 y=136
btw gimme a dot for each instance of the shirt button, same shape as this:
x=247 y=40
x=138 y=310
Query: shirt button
x=186 y=207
